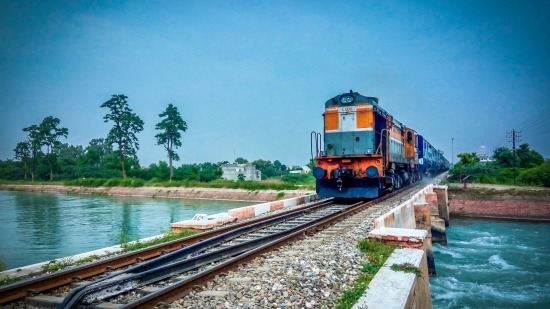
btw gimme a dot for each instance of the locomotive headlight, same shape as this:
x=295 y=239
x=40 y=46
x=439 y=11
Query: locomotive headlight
x=369 y=150
x=323 y=153
x=372 y=171
x=319 y=172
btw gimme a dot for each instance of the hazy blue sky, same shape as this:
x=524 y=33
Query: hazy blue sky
x=251 y=77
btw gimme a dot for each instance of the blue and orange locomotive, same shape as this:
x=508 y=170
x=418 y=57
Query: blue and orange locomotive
x=366 y=152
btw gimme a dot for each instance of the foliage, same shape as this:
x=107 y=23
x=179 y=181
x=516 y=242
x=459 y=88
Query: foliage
x=168 y=236
x=240 y=160
x=539 y=175
x=299 y=178
x=529 y=167
x=241 y=177
x=377 y=254
x=34 y=141
x=280 y=195
x=408 y=268
x=9 y=280
x=467 y=158
x=23 y=153
x=56 y=265
x=270 y=169
x=126 y=125
x=170 y=136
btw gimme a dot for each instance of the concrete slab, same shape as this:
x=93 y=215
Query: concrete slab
x=44 y=301
x=391 y=289
x=203 y=222
x=399 y=232
x=105 y=305
x=216 y=294
x=240 y=280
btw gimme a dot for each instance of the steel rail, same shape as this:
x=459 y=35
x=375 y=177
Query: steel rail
x=42 y=283
x=179 y=289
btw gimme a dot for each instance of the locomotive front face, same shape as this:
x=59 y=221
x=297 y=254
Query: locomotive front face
x=349 y=166
x=349 y=125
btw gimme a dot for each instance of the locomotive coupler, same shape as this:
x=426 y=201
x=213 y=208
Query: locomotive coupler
x=339 y=184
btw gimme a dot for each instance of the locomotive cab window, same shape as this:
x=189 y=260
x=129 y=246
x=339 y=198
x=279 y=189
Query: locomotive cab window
x=409 y=137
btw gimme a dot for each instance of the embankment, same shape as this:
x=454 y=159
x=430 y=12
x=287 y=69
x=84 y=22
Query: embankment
x=166 y=192
x=506 y=202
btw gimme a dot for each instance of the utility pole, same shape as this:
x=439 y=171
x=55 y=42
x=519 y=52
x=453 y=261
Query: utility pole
x=514 y=137
x=453 y=149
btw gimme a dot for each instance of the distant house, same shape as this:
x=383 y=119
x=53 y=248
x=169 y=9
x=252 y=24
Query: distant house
x=300 y=170
x=232 y=171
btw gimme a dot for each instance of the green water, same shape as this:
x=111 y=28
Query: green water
x=37 y=227
x=493 y=264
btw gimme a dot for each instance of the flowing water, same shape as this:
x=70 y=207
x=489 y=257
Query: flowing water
x=37 y=227
x=493 y=264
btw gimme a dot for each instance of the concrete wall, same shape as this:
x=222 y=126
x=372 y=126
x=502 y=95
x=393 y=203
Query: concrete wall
x=397 y=289
x=402 y=216
x=409 y=225
x=232 y=171
x=255 y=210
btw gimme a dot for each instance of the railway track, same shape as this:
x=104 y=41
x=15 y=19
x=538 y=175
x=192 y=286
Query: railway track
x=181 y=265
x=50 y=281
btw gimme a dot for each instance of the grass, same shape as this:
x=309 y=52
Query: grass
x=280 y=195
x=219 y=183
x=408 y=268
x=168 y=236
x=56 y=265
x=137 y=182
x=377 y=254
x=8 y=280
x=492 y=192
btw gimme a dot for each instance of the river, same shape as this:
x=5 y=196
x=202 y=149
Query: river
x=38 y=227
x=493 y=264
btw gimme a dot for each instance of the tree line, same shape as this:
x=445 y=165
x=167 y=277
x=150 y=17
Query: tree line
x=530 y=167
x=43 y=156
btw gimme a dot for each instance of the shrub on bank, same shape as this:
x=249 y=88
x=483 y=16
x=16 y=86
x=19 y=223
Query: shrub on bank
x=156 y=182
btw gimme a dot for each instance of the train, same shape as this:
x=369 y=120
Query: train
x=364 y=152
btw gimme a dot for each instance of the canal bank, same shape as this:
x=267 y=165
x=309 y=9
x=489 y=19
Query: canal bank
x=500 y=202
x=167 y=192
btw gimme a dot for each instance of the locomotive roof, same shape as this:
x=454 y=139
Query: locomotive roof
x=341 y=100
x=352 y=98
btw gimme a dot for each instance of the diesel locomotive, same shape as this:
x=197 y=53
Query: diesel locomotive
x=365 y=152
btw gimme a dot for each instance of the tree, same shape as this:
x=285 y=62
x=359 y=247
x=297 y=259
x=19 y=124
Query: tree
x=125 y=126
x=468 y=158
x=241 y=177
x=503 y=157
x=528 y=158
x=241 y=160
x=311 y=164
x=170 y=134
x=23 y=152
x=34 y=141
x=50 y=134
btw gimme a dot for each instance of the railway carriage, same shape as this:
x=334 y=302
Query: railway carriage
x=365 y=152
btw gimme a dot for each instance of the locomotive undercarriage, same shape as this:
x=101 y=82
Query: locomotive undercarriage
x=345 y=183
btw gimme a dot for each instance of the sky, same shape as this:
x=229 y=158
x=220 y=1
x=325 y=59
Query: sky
x=250 y=78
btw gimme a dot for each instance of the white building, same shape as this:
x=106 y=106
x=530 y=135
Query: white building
x=300 y=170
x=232 y=171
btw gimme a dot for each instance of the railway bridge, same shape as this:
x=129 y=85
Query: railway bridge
x=298 y=252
